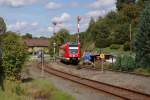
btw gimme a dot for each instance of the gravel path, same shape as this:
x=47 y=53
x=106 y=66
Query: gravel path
x=78 y=91
x=120 y=79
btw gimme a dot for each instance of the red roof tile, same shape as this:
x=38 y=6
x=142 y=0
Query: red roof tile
x=37 y=42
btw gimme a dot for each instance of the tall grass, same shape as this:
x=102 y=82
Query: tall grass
x=36 y=89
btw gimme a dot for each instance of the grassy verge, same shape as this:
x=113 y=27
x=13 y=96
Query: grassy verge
x=144 y=71
x=35 y=89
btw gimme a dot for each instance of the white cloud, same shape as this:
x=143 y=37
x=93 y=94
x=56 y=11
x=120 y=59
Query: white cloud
x=17 y=3
x=101 y=8
x=63 y=18
x=102 y=4
x=96 y=13
x=50 y=29
x=17 y=26
x=35 y=24
x=34 y=28
x=22 y=26
x=60 y=26
x=53 y=5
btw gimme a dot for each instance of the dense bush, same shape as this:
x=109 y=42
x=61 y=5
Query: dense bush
x=14 y=54
x=114 y=46
x=125 y=63
x=126 y=46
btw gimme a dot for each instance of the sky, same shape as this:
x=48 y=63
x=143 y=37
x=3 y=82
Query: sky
x=36 y=16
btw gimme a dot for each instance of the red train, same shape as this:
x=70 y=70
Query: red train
x=70 y=52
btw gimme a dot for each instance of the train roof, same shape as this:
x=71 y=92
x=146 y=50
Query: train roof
x=73 y=43
x=69 y=43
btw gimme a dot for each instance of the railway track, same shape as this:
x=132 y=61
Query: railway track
x=124 y=93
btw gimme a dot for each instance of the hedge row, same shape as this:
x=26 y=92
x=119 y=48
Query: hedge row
x=125 y=63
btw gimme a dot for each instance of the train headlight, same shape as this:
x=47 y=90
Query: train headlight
x=68 y=58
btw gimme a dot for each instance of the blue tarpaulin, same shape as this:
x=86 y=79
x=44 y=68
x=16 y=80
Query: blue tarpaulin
x=87 y=57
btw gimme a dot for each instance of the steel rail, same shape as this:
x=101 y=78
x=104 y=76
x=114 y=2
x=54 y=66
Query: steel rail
x=111 y=89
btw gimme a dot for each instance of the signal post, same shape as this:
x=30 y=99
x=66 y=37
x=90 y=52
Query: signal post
x=102 y=59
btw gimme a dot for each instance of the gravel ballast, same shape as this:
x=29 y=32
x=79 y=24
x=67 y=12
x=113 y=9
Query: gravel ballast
x=133 y=82
x=80 y=92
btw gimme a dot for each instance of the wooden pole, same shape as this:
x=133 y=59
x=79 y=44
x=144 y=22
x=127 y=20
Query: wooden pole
x=42 y=62
x=102 y=65
x=130 y=38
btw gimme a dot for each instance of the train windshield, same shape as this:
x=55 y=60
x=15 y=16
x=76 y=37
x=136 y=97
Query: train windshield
x=73 y=49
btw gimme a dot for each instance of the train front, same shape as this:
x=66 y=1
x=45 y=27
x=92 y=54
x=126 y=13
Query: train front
x=74 y=52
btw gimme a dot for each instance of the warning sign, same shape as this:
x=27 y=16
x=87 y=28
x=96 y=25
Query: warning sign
x=102 y=56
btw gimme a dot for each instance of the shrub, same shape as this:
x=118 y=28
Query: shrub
x=14 y=55
x=117 y=65
x=126 y=46
x=125 y=63
x=114 y=46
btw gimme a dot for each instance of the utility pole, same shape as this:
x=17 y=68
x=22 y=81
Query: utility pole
x=54 y=43
x=42 y=61
x=130 y=38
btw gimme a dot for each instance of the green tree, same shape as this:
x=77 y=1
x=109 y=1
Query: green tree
x=142 y=42
x=120 y=3
x=61 y=37
x=2 y=26
x=14 y=55
x=27 y=36
x=121 y=34
x=131 y=12
x=88 y=35
x=102 y=32
x=142 y=3
x=2 y=31
x=91 y=23
x=43 y=37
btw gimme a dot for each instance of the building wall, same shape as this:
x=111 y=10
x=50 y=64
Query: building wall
x=33 y=50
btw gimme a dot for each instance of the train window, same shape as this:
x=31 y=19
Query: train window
x=73 y=45
x=73 y=51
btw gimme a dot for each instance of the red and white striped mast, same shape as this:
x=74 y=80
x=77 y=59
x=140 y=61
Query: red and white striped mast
x=78 y=27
